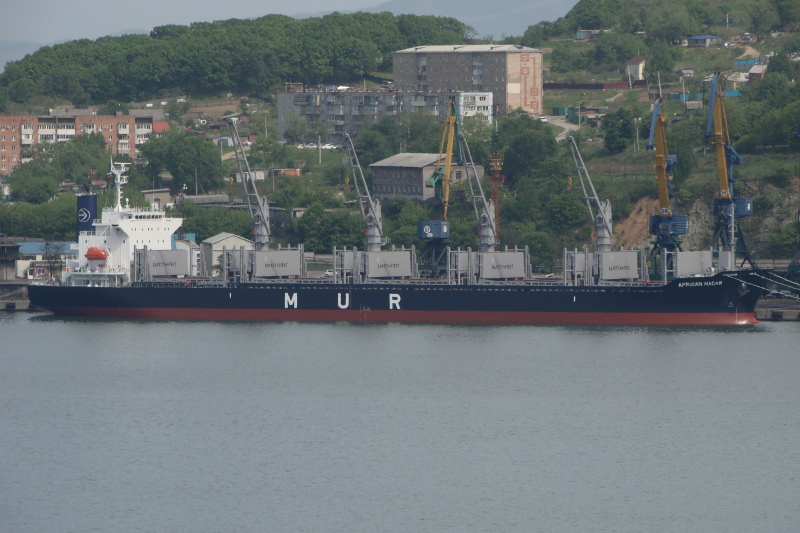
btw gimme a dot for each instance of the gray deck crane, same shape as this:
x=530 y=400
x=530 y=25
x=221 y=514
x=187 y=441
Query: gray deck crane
x=370 y=208
x=601 y=220
x=257 y=204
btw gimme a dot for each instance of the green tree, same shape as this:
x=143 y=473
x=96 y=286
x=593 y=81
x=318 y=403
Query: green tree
x=322 y=231
x=298 y=130
x=618 y=130
x=191 y=160
x=524 y=143
x=21 y=90
x=661 y=60
x=4 y=99
x=670 y=21
x=81 y=156
x=614 y=49
x=594 y=14
x=207 y=222
x=763 y=16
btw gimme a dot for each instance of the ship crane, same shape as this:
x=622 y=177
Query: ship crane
x=728 y=205
x=441 y=180
x=666 y=226
x=495 y=180
x=370 y=208
x=602 y=220
x=257 y=204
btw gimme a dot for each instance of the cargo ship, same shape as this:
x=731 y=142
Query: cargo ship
x=719 y=300
x=128 y=267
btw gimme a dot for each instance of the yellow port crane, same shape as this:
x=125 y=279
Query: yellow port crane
x=666 y=226
x=440 y=179
x=728 y=205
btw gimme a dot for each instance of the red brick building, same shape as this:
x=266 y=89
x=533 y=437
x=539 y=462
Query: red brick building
x=123 y=134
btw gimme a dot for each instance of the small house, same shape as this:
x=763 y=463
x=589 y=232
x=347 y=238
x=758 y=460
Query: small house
x=756 y=72
x=703 y=41
x=634 y=68
x=211 y=251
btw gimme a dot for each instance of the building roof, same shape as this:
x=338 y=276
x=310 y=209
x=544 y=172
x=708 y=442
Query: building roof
x=470 y=48
x=219 y=237
x=38 y=247
x=704 y=37
x=408 y=160
x=635 y=60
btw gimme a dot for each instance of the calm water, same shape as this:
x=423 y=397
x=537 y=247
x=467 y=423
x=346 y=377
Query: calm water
x=152 y=426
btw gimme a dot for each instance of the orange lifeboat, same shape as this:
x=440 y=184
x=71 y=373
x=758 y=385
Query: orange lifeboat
x=96 y=254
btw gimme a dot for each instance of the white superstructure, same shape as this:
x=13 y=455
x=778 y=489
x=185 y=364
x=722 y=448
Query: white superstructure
x=105 y=254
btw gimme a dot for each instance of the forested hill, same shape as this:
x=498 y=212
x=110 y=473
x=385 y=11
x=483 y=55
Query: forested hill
x=244 y=56
x=670 y=19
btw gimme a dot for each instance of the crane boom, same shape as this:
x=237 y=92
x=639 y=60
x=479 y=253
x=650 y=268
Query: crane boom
x=664 y=162
x=257 y=204
x=440 y=179
x=370 y=208
x=717 y=130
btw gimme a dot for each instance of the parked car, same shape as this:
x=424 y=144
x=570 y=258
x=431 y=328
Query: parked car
x=328 y=273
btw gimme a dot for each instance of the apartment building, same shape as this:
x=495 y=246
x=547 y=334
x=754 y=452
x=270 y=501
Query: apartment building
x=346 y=111
x=513 y=74
x=20 y=134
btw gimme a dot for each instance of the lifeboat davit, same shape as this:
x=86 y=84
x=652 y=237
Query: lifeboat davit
x=96 y=254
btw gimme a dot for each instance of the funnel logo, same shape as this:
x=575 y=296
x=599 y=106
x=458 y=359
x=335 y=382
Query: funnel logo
x=84 y=215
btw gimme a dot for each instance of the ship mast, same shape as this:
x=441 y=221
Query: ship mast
x=118 y=169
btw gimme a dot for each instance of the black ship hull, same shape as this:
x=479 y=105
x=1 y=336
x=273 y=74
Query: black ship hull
x=724 y=299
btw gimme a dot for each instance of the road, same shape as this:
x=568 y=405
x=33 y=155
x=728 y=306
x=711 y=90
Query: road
x=561 y=122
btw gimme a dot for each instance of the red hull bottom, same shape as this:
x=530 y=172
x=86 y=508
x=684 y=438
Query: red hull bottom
x=433 y=317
